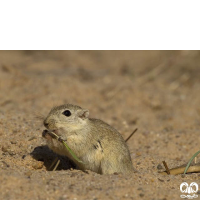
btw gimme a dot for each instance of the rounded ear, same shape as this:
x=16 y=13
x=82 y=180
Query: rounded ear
x=83 y=114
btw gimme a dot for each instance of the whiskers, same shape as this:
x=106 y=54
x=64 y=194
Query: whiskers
x=38 y=118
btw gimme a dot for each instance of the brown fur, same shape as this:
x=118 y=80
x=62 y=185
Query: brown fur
x=101 y=148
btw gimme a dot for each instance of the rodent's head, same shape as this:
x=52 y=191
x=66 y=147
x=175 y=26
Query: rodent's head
x=68 y=117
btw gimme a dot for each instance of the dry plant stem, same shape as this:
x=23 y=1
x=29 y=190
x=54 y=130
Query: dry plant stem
x=166 y=167
x=53 y=135
x=180 y=170
x=53 y=163
x=56 y=165
x=131 y=135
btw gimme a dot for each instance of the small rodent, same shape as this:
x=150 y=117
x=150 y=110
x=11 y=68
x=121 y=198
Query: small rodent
x=99 y=146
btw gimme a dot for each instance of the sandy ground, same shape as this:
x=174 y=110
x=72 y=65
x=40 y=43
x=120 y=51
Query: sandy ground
x=157 y=92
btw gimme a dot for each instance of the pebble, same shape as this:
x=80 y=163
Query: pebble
x=38 y=165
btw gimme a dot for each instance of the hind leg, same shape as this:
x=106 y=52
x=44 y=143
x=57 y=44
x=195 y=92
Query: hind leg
x=108 y=168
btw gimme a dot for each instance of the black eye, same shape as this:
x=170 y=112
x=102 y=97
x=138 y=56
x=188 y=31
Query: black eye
x=67 y=113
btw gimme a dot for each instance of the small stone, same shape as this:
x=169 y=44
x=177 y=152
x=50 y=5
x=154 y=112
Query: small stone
x=5 y=148
x=183 y=175
x=4 y=164
x=138 y=154
x=32 y=138
x=141 y=194
x=71 y=186
x=161 y=180
x=28 y=173
x=13 y=142
x=159 y=167
x=38 y=165
x=11 y=152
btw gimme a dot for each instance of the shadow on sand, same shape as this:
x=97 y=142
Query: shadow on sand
x=44 y=154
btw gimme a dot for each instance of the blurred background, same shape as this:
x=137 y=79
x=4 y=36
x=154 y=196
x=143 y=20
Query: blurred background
x=134 y=86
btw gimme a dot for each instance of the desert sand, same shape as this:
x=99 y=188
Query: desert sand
x=157 y=92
